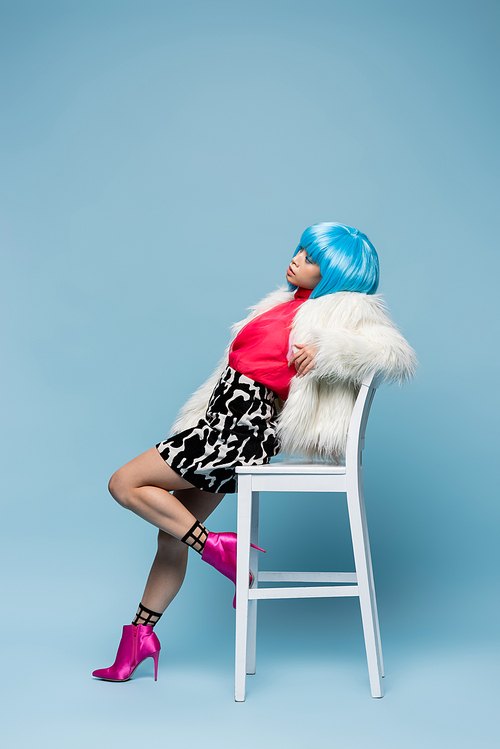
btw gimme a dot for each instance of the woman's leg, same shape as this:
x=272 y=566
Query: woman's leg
x=169 y=566
x=143 y=486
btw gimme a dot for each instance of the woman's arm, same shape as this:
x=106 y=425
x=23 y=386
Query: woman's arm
x=346 y=335
x=351 y=355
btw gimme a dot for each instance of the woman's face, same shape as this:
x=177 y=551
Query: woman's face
x=303 y=272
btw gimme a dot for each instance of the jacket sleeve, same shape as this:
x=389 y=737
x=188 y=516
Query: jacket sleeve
x=350 y=355
x=353 y=336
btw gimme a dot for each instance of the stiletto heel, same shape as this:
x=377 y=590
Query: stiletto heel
x=258 y=548
x=156 y=657
x=220 y=552
x=137 y=643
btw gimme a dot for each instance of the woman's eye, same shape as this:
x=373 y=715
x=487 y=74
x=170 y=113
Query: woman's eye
x=309 y=260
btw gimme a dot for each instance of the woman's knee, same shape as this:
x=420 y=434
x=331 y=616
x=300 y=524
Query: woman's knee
x=120 y=488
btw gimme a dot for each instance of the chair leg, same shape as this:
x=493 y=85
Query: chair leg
x=242 y=567
x=369 y=617
x=252 y=605
x=371 y=584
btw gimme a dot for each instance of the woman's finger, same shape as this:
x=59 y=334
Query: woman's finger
x=300 y=365
x=296 y=357
x=303 y=357
x=305 y=367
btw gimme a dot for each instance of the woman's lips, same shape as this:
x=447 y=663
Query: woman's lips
x=290 y=271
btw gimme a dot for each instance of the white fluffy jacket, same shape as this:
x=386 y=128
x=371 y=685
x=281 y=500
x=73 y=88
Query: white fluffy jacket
x=353 y=336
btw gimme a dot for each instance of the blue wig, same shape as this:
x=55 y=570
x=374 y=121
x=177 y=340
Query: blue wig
x=347 y=259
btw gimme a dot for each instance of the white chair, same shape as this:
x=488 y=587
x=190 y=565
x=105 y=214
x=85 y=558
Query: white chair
x=308 y=477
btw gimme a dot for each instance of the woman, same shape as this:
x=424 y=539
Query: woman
x=310 y=347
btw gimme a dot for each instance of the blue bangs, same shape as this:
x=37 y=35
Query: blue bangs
x=347 y=259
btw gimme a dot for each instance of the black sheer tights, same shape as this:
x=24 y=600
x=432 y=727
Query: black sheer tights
x=195 y=538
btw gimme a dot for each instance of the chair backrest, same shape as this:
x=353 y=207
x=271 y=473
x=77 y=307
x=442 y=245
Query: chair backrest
x=359 y=418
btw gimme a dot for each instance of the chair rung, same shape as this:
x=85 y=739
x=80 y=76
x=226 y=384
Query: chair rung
x=307 y=577
x=309 y=592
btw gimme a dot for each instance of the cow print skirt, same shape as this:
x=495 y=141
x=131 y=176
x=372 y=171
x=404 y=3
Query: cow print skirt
x=239 y=428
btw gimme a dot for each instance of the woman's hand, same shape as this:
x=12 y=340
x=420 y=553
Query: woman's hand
x=303 y=358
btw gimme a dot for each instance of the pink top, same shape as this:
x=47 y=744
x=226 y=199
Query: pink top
x=261 y=349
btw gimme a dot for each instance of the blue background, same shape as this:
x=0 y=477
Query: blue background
x=159 y=161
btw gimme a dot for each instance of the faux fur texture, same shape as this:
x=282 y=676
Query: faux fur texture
x=353 y=336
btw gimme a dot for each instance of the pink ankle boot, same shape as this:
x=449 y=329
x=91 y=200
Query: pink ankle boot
x=137 y=644
x=220 y=552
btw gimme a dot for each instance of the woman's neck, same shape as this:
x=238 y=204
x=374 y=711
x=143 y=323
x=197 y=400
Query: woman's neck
x=303 y=293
